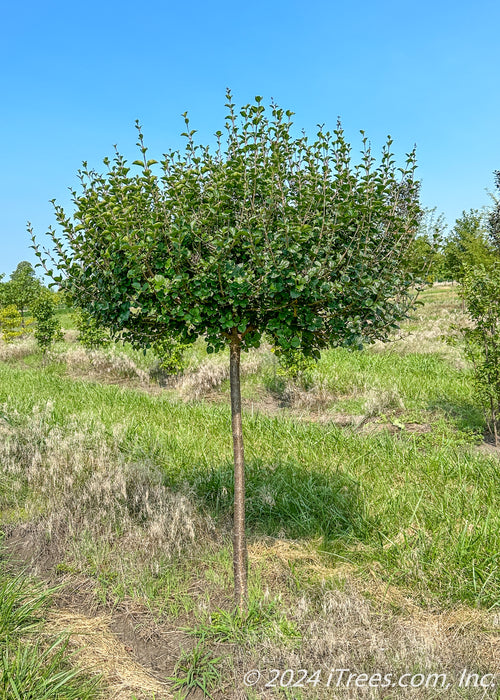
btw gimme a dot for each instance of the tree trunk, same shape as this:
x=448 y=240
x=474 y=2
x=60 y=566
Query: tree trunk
x=240 y=562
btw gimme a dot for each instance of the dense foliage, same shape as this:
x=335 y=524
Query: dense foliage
x=468 y=245
x=425 y=257
x=267 y=234
x=494 y=217
x=48 y=328
x=10 y=323
x=481 y=292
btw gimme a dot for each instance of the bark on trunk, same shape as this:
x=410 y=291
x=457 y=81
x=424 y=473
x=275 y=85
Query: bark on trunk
x=240 y=562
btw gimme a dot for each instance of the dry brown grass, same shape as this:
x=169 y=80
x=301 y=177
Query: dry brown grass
x=380 y=401
x=105 y=364
x=316 y=398
x=79 y=488
x=18 y=350
x=70 y=335
x=98 y=651
x=207 y=377
x=367 y=626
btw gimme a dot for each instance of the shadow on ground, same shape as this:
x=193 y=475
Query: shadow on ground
x=287 y=500
x=463 y=414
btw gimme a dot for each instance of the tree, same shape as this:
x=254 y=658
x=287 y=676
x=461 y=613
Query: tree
x=10 y=323
x=494 y=217
x=48 y=328
x=22 y=288
x=426 y=259
x=468 y=246
x=481 y=293
x=267 y=233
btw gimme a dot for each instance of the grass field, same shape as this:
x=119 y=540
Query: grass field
x=373 y=517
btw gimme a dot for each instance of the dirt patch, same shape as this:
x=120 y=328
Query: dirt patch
x=489 y=448
x=156 y=646
x=99 y=650
x=22 y=549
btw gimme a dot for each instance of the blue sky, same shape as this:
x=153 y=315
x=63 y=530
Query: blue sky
x=74 y=77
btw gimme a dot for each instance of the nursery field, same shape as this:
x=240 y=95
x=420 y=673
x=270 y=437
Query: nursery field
x=373 y=522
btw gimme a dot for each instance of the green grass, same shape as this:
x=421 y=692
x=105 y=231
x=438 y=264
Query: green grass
x=425 y=506
x=34 y=665
x=196 y=669
x=66 y=319
x=425 y=382
x=414 y=511
x=236 y=627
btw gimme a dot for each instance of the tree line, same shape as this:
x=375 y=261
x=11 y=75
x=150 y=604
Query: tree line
x=441 y=256
x=27 y=305
x=470 y=255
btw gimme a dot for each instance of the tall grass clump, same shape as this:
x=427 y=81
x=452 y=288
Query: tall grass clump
x=23 y=347
x=107 y=363
x=74 y=484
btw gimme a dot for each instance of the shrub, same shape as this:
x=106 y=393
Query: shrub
x=468 y=245
x=170 y=354
x=10 y=323
x=90 y=334
x=48 y=328
x=293 y=364
x=481 y=293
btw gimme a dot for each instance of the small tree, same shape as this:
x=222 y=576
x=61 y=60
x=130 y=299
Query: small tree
x=481 y=293
x=22 y=288
x=48 y=329
x=170 y=356
x=468 y=245
x=494 y=217
x=267 y=233
x=425 y=259
x=10 y=323
x=90 y=334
